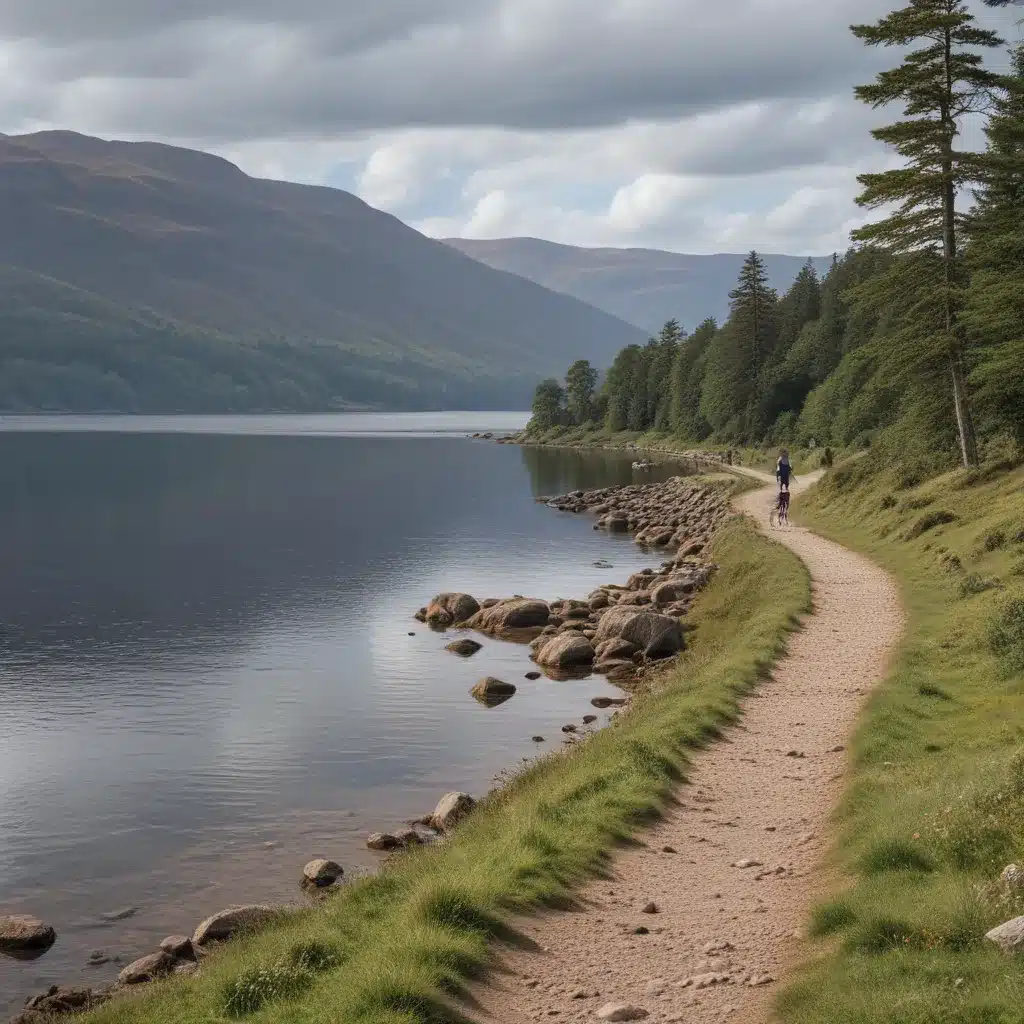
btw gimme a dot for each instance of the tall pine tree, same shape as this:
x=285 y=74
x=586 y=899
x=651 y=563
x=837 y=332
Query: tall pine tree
x=938 y=85
x=994 y=311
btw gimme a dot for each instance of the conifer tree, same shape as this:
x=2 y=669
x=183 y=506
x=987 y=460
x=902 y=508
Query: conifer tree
x=548 y=405
x=686 y=420
x=937 y=84
x=659 y=376
x=994 y=311
x=621 y=386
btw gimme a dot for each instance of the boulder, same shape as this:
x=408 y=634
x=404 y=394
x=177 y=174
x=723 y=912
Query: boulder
x=147 y=968
x=658 y=636
x=60 y=999
x=20 y=933
x=410 y=837
x=599 y=601
x=321 y=873
x=1009 y=936
x=464 y=648
x=614 y=667
x=567 y=650
x=1012 y=876
x=383 y=841
x=229 y=922
x=492 y=691
x=513 y=614
x=449 y=608
x=671 y=590
x=616 y=647
x=179 y=946
x=450 y=810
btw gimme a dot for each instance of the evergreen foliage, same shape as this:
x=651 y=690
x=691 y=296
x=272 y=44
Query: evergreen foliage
x=915 y=336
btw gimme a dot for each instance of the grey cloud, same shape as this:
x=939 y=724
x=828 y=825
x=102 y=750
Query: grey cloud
x=229 y=70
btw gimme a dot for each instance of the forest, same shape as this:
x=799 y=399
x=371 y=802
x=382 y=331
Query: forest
x=914 y=338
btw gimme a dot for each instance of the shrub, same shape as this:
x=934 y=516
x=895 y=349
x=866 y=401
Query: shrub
x=1006 y=635
x=888 y=502
x=973 y=584
x=940 y=517
x=826 y=458
x=995 y=540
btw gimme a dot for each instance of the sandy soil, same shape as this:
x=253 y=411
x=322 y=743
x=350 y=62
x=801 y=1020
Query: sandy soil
x=747 y=837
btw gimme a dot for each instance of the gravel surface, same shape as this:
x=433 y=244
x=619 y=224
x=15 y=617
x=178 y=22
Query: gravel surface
x=703 y=922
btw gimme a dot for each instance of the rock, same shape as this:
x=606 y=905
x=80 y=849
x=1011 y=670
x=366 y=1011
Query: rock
x=650 y=908
x=186 y=967
x=569 y=728
x=97 y=958
x=322 y=873
x=1012 y=876
x=614 y=667
x=642 y=930
x=538 y=739
x=179 y=946
x=147 y=968
x=608 y=702
x=589 y=719
x=447 y=609
x=120 y=915
x=669 y=849
x=1009 y=936
x=410 y=837
x=747 y=862
x=20 y=933
x=59 y=999
x=229 y=922
x=533 y=675
x=756 y=980
x=658 y=636
x=451 y=809
x=615 y=648
x=464 y=648
x=567 y=650
x=491 y=691
x=620 y=1011
x=383 y=841
x=511 y=615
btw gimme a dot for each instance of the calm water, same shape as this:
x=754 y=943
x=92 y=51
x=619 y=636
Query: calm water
x=206 y=672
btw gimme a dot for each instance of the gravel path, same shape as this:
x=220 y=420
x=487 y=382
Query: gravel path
x=747 y=837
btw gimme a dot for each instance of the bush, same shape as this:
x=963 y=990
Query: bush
x=940 y=517
x=973 y=584
x=888 y=502
x=826 y=458
x=1006 y=635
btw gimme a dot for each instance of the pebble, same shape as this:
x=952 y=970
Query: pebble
x=669 y=849
x=747 y=862
x=538 y=739
x=650 y=908
x=620 y=1011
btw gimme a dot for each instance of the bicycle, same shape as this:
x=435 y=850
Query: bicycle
x=779 y=514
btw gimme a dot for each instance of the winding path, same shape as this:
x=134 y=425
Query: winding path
x=764 y=793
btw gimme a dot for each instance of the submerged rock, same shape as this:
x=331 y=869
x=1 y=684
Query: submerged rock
x=492 y=691
x=464 y=648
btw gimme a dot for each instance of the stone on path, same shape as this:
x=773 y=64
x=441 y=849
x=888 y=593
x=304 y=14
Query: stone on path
x=620 y=1011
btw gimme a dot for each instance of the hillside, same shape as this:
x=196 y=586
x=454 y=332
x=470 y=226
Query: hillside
x=146 y=277
x=645 y=287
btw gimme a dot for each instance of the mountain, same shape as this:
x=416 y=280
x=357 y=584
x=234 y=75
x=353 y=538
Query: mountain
x=645 y=287
x=139 y=276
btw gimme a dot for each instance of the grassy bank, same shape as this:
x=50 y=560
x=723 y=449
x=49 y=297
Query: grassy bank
x=396 y=947
x=803 y=459
x=936 y=806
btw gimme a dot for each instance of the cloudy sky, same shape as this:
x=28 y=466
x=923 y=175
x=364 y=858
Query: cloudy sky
x=693 y=125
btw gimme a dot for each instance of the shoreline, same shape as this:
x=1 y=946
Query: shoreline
x=71 y=998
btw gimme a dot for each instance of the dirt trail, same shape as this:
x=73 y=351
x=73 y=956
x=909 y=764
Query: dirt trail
x=764 y=793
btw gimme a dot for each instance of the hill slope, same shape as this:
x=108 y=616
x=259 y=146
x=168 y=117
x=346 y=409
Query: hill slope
x=143 y=276
x=645 y=287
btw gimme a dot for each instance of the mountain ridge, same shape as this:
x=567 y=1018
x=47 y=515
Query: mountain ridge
x=643 y=286
x=166 y=279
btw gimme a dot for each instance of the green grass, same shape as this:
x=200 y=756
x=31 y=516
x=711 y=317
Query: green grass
x=935 y=808
x=394 y=949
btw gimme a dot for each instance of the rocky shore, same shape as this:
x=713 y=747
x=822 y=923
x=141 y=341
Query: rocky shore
x=619 y=630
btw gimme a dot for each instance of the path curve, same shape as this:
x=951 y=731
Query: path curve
x=746 y=799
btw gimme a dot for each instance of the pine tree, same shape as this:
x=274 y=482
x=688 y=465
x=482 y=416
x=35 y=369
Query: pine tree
x=686 y=420
x=580 y=382
x=621 y=386
x=938 y=85
x=739 y=349
x=659 y=376
x=994 y=311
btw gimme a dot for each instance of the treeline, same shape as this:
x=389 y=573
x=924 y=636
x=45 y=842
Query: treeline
x=914 y=336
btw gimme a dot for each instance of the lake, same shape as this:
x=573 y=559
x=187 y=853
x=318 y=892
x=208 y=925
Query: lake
x=207 y=676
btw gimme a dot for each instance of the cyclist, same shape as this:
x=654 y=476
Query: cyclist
x=783 y=470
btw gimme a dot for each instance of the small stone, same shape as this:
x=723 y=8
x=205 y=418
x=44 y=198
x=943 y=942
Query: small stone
x=589 y=719
x=22 y=933
x=756 y=980
x=747 y=862
x=321 y=873
x=147 y=968
x=464 y=648
x=533 y=675
x=383 y=841
x=669 y=849
x=538 y=739
x=650 y=908
x=620 y=1011
x=570 y=728
x=450 y=810
x=1009 y=936
x=120 y=915
x=795 y=753
x=179 y=946
x=838 y=749
x=1012 y=876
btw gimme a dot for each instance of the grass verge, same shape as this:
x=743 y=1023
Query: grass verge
x=936 y=804
x=393 y=949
